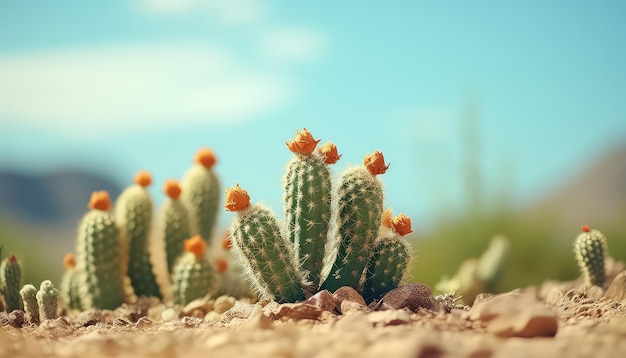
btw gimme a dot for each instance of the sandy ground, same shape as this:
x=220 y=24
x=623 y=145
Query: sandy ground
x=556 y=319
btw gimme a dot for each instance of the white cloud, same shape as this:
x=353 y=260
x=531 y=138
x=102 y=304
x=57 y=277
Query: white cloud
x=293 y=45
x=227 y=11
x=106 y=89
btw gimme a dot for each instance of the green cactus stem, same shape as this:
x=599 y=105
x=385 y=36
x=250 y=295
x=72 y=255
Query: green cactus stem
x=307 y=197
x=590 y=249
x=29 y=297
x=133 y=215
x=98 y=256
x=390 y=259
x=201 y=193
x=360 y=199
x=11 y=282
x=266 y=257
x=175 y=224
x=70 y=298
x=193 y=276
x=47 y=298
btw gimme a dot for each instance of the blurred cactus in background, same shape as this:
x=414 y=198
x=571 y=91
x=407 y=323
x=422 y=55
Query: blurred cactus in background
x=70 y=298
x=98 y=256
x=232 y=281
x=133 y=215
x=31 y=307
x=47 y=299
x=591 y=250
x=11 y=282
x=201 y=193
x=175 y=223
x=193 y=275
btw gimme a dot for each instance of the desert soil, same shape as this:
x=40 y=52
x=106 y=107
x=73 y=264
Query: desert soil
x=555 y=319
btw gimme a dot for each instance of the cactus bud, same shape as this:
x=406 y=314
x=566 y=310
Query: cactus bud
x=171 y=188
x=375 y=163
x=402 y=224
x=196 y=245
x=303 y=143
x=99 y=200
x=237 y=198
x=205 y=157
x=328 y=151
x=143 y=178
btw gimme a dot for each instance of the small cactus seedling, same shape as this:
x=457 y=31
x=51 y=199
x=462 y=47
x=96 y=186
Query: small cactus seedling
x=29 y=296
x=69 y=283
x=590 y=249
x=47 y=298
x=390 y=258
x=307 y=198
x=98 y=256
x=193 y=276
x=174 y=219
x=266 y=257
x=133 y=215
x=201 y=193
x=360 y=198
x=11 y=282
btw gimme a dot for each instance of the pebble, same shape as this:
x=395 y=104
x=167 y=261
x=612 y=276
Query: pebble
x=169 y=314
x=223 y=304
x=617 y=288
x=212 y=317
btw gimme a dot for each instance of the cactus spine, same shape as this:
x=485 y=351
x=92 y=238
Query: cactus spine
x=193 y=276
x=590 y=249
x=70 y=298
x=360 y=198
x=98 y=256
x=11 y=282
x=307 y=186
x=201 y=194
x=29 y=296
x=266 y=257
x=174 y=219
x=390 y=258
x=47 y=298
x=133 y=214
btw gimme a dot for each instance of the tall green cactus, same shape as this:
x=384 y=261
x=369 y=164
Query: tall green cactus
x=390 y=258
x=307 y=197
x=266 y=257
x=175 y=224
x=590 y=249
x=193 y=275
x=69 y=291
x=47 y=299
x=98 y=256
x=11 y=282
x=133 y=214
x=201 y=193
x=360 y=198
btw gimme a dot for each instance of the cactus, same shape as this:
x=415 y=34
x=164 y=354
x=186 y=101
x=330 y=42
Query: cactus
x=174 y=219
x=47 y=298
x=29 y=296
x=232 y=282
x=11 y=282
x=360 y=198
x=201 y=194
x=590 y=249
x=390 y=258
x=69 y=283
x=307 y=198
x=133 y=214
x=98 y=256
x=193 y=276
x=266 y=257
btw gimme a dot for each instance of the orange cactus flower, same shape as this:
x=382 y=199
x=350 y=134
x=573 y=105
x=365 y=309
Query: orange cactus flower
x=205 y=157
x=375 y=163
x=237 y=198
x=143 y=178
x=226 y=243
x=171 y=188
x=12 y=259
x=586 y=228
x=222 y=265
x=69 y=261
x=328 y=151
x=388 y=218
x=99 y=200
x=195 y=245
x=303 y=143
x=402 y=224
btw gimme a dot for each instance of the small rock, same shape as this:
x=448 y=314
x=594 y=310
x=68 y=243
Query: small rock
x=296 y=311
x=241 y=310
x=213 y=317
x=191 y=322
x=323 y=300
x=88 y=318
x=347 y=306
x=617 y=288
x=348 y=293
x=389 y=318
x=169 y=314
x=121 y=322
x=412 y=296
x=17 y=318
x=258 y=321
x=223 y=304
x=203 y=303
x=143 y=322
x=554 y=296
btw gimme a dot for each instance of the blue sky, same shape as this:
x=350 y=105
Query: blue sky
x=119 y=86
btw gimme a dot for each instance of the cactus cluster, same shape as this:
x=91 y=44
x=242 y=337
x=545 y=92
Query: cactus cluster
x=590 y=249
x=331 y=236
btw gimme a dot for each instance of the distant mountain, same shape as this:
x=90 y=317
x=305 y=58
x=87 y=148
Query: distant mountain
x=56 y=198
x=596 y=196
